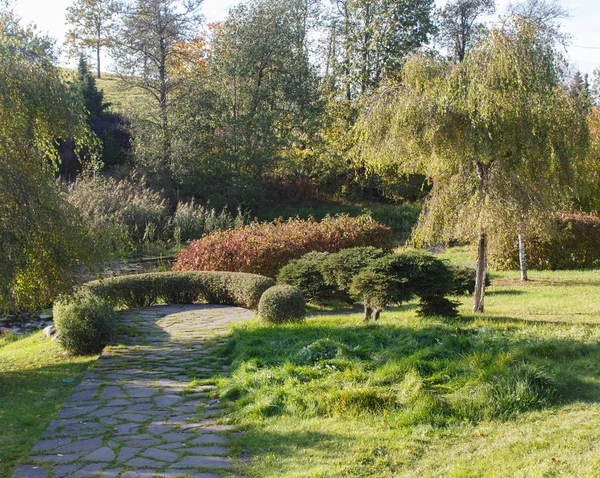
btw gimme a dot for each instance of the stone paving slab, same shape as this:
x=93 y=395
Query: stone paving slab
x=137 y=413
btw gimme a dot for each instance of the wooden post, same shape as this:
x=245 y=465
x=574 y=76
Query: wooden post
x=479 y=293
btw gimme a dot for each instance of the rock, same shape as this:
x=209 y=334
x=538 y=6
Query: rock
x=46 y=314
x=50 y=331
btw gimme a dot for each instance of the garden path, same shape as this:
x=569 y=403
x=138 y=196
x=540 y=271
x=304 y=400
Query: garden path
x=138 y=413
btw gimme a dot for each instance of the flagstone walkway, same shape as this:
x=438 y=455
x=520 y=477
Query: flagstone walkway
x=138 y=413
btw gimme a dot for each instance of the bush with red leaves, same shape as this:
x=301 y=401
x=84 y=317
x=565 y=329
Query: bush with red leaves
x=263 y=248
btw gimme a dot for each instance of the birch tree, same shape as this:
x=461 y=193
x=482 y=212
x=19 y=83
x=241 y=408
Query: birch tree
x=499 y=136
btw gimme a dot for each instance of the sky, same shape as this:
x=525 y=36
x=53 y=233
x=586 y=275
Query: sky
x=583 y=24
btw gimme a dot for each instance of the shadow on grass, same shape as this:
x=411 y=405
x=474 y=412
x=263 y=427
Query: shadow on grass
x=508 y=292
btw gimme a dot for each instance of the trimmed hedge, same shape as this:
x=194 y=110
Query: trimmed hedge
x=282 y=303
x=85 y=324
x=575 y=244
x=143 y=290
x=264 y=248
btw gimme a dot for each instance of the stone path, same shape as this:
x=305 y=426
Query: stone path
x=138 y=413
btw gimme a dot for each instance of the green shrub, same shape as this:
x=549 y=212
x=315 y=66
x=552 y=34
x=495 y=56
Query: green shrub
x=379 y=288
x=282 y=303
x=142 y=290
x=305 y=273
x=85 y=324
x=464 y=280
x=340 y=268
x=264 y=248
x=395 y=278
x=574 y=244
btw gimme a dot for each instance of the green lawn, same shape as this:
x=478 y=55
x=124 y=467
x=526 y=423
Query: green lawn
x=514 y=392
x=32 y=391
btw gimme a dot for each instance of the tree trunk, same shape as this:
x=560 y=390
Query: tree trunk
x=368 y=311
x=479 y=294
x=522 y=258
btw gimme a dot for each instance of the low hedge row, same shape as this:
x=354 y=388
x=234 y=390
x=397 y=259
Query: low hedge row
x=143 y=290
x=574 y=244
x=85 y=321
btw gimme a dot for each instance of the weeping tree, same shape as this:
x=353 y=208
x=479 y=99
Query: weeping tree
x=498 y=135
x=42 y=243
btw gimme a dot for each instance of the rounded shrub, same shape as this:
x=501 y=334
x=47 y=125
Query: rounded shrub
x=85 y=324
x=305 y=274
x=282 y=303
x=395 y=278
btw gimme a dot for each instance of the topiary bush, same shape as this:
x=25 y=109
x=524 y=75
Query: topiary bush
x=282 y=303
x=143 y=290
x=264 y=248
x=85 y=324
x=395 y=278
x=339 y=269
x=305 y=273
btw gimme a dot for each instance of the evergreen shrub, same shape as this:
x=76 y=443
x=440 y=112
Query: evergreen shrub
x=464 y=280
x=340 y=268
x=282 y=303
x=395 y=278
x=305 y=273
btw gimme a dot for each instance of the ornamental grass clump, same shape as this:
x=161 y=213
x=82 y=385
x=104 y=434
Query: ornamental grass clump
x=264 y=248
x=282 y=303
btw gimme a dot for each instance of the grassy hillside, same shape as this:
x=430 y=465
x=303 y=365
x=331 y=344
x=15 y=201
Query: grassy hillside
x=122 y=97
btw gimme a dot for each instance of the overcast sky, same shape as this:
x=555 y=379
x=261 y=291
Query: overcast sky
x=583 y=23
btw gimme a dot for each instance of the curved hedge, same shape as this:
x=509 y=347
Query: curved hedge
x=143 y=290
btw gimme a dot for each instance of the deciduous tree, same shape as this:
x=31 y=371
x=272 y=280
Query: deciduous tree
x=89 y=21
x=41 y=240
x=499 y=135
x=146 y=42
x=459 y=29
